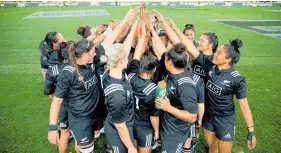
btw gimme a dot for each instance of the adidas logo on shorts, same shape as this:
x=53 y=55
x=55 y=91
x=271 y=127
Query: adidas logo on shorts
x=228 y=136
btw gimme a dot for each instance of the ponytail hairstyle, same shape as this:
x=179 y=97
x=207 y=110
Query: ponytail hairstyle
x=76 y=50
x=84 y=31
x=148 y=64
x=178 y=55
x=188 y=27
x=233 y=51
x=213 y=39
x=51 y=37
x=113 y=55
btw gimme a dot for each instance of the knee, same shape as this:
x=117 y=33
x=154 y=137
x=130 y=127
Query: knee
x=65 y=133
x=213 y=146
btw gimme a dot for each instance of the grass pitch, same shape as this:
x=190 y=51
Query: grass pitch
x=24 y=110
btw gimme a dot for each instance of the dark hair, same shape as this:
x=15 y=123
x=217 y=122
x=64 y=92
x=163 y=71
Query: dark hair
x=76 y=50
x=148 y=64
x=178 y=55
x=80 y=47
x=188 y=27
x=213 y=39
x=65 y=49
x=84 y=31
x=233 y=50
x=162 y=33
x=51 y=37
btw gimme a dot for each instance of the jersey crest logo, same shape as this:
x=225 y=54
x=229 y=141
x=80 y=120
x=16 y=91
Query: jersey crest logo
x=171 y=90
x=199 y=70
x=226 y=83
x=215 y=89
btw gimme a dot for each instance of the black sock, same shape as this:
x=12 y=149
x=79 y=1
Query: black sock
x=186 y=150
x=193 y=142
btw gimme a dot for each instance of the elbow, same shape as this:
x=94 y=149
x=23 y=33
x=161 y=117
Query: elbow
x=154 y=119
x=192 y=118
x=57 y=101
x=120 y=126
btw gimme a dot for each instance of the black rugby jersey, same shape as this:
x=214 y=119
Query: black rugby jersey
x=51 y=78
x=49 y=58
x=83 y=91
x=198 y=80
x=182 y=92
x=198 y=69
x=200 y=86
x=221 y=86
x=144 y=96
x=118 y=99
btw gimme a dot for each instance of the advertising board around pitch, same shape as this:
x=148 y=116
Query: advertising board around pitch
x=73 y=13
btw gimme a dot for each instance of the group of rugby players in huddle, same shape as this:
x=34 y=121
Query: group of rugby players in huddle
x=107 y=82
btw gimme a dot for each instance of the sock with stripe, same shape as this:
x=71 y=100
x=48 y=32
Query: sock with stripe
x=193 y=144
x=186 y=150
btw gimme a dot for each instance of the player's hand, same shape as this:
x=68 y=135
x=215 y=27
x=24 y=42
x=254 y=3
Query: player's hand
x=159 y=16
x=171 y=23
x=163 y=104
x=149 y=25
x=130 y=15
x=114 y=24
x=132 y=150
x=252 y=142
x=51 y=96
x=156 y=135
x=198 y=123
x=53 y=137
x=99 y=29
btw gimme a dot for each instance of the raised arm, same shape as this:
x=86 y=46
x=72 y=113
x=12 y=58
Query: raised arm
x=157 y=44
x=140 y=49
x=129 y=40
x=110 y=38
x=192 y=50
x=171 y=34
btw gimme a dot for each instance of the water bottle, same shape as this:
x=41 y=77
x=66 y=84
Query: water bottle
x=161 y=91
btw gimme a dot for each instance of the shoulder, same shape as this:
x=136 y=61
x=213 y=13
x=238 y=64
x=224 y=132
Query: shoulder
x=130 y=76
x=68 y=68
x=54 y=70
x=235 y=74
x=148 y=88
x=237 y=77
x=185 y=80
x=197 y=79
x=112 y=88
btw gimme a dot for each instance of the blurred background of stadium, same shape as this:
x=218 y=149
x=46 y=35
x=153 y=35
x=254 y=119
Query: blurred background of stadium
x=24 y=110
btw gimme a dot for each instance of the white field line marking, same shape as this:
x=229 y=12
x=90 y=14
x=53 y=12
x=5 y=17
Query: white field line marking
x=243 y=28
x=215 y=14
x=242 y=20
x=13 y=12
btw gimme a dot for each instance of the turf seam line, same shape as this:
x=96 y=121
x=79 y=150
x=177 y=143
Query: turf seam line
x=242 y=28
